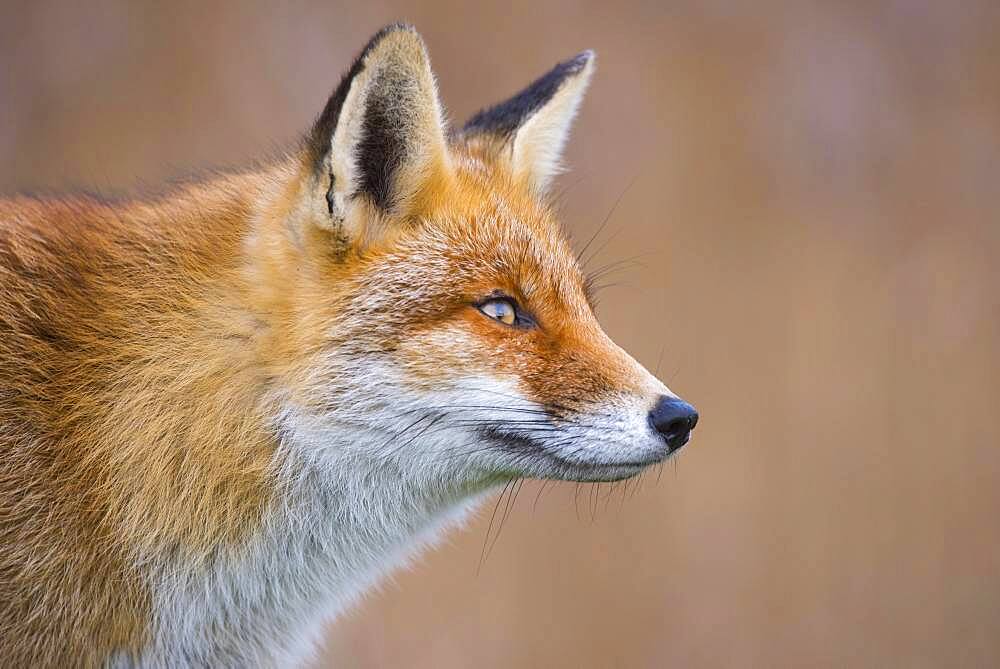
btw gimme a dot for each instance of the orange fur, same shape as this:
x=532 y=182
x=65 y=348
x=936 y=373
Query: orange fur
x=128 y=402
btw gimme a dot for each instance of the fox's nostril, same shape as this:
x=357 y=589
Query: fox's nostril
x=673 y=419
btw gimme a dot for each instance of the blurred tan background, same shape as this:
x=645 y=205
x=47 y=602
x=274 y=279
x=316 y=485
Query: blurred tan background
x=813 y=191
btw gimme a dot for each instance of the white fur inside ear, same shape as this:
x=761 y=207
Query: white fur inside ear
x=538 y=144
x=393 y=96
x=343 y=148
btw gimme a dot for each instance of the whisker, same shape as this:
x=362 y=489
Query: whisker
x=489 y=528
x=581 y=257
x=541 y=490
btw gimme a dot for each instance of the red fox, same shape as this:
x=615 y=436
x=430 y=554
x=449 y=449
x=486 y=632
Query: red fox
x=226 y=412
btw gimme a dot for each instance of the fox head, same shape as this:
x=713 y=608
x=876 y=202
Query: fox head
x=436 y=320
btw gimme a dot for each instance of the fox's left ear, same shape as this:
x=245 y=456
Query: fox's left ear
x=381 y=136
x=530 y=129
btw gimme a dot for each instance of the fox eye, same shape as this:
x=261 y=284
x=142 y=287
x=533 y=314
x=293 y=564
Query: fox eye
x=500 y=309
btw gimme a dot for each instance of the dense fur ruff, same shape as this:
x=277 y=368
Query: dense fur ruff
x=224 y=413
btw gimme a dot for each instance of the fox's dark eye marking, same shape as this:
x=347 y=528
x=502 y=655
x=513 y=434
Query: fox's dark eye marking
x=505 y=310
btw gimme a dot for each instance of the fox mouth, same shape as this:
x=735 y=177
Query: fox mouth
x=540 y=462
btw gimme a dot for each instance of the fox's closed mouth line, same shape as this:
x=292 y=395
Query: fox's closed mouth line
x=520 y=443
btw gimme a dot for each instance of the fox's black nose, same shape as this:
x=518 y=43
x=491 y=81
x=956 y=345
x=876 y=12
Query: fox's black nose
x=674 y=419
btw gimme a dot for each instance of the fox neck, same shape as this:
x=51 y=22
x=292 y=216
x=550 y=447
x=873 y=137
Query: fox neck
x=331 y=534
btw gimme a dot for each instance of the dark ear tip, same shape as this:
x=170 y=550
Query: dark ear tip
x=580 y=60
x=505 y=118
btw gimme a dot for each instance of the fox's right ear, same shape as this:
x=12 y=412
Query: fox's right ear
x=530 y=129
x=381 y=135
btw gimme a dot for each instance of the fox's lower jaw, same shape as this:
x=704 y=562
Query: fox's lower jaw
x=566 y=462
x=610 y=439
